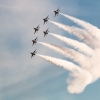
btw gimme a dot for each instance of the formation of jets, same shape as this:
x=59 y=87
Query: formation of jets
x=45 y=32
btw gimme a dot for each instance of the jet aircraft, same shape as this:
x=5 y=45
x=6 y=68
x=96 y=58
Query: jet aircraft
x=34 y=41
x=33 y=53
x=46 y=19
x=37 y=29
x=46 y=32
x=57 y=12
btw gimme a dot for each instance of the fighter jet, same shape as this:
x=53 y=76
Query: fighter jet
x=57 y=12
x=34 y=41
x=46 y=32
x=33 y=53
x=36 y=29
x=46 y=19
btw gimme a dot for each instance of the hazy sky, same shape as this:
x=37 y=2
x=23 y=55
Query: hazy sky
x=23 y=78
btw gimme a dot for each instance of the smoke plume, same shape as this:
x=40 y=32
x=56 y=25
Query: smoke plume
x=81 y=47
x=79 y=75
x=80 y=33
x=70 y=53
x=93 y=30
x=87 y=69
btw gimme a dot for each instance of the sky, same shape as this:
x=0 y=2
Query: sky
x=23 y=78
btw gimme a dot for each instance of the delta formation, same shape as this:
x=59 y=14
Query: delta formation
x=45 y=32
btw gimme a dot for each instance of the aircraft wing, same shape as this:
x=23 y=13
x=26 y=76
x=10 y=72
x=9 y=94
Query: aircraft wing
x=44 y=22
x=31 y=54
x=36 y=38
x=48 y=30
x=35 y=32
x=55 y=14
x=44 y=35
x=47 y=16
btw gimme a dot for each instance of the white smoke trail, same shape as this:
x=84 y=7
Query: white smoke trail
x=94 y=65
x=81 y=78
x=77 y=45
x=94 y=62
x=87 y=64
x=89 y=70
x=93 y=30
x=70 y=53
x=80 y=33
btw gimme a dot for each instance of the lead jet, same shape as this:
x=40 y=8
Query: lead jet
x=37 y=29
x=46 y=19
x=57 y=12
x=33 y=53
x=46 y=32
x=34 y=41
